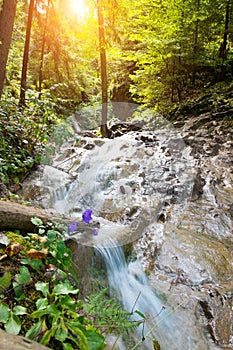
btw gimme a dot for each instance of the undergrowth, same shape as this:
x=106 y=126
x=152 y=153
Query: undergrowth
x=39 y=294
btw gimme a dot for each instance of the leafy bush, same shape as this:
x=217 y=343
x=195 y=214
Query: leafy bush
x=39 y=294
x=23 y=133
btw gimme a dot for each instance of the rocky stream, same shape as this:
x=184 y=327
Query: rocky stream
x=165 y=191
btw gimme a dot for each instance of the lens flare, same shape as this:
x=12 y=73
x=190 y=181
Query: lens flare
x=78 y=7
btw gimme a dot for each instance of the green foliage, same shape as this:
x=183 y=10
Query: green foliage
x=10 y=318
x=110 y=315
x=22 y=279
x=24 y=134
x=40 y=295
x=58 y=315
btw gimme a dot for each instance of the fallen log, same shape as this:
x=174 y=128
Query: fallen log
x=13 y=342
x=18 y=216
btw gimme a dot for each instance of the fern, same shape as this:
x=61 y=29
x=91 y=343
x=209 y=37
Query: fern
x=108 y=315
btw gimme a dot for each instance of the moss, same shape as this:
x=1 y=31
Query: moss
x=17 y=238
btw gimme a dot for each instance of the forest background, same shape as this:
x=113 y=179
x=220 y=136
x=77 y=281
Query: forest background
x=160 y=54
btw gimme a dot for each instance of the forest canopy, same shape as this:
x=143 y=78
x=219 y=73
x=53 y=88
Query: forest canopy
x=155 y=49
x=58 y=56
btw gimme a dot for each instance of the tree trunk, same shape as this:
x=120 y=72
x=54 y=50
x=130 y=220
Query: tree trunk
x=103 y=65
x=223 y=47
x=42 y=51
x=17 y=216
x=23 y=86
x=7 y=16
x=195 y=45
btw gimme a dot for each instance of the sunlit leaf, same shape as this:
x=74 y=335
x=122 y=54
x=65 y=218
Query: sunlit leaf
x=42 y=287
x=13 y=325
x=64 y=288
x=50 y=310
x=67 y=346
x=36 y=221
x=46 y=337
x=42 y=303
x=19 y=310
x=4 y=312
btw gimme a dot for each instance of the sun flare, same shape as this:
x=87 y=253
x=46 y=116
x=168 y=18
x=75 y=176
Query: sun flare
x=78 y=7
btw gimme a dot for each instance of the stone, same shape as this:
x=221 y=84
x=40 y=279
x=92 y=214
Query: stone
x=13 y=342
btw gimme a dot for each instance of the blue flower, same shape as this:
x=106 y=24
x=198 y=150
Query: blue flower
x=95 y=231
x=73 y=227
x=86 y=216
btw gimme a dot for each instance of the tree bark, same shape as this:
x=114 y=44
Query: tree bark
x=7 y=17
x=23 y=86
x=42 y=50
x=103 y=66
x=223 y=47
x=17 y=216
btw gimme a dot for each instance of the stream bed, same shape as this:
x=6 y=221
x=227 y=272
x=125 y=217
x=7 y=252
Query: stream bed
x=166 y=191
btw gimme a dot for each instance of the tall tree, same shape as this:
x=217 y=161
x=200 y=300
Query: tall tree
x=23 y=86
x=223 y=47
x=42 y=50
x=103 y=66
x=7 y=16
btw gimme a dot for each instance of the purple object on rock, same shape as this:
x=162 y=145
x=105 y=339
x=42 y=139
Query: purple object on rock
x=95 y=231
x=86 y=216
x=73 y=227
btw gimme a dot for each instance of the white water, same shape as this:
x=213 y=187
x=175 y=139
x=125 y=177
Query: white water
x=130 y=284
x=158 y=178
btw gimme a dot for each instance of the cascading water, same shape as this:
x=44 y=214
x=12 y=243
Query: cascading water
x=130 y=284
x=140 y=185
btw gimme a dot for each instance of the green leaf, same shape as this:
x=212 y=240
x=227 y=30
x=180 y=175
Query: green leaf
x=67 y=346
x=50 y=310
x=36 y=221
x=36 y=264
x=51 y=234
x=5 y=281
x=139 y=313
x=24 y=276
x=78 y=331
x=18 y=289
x=34 y=330
x=42 y=287
x=69 y=302
x=42 y=303
x=4 y=312
x=95 y=341
x=61 y=332
x=64 y=288
x=46 y=337
x=19 y=310
x=13 y=325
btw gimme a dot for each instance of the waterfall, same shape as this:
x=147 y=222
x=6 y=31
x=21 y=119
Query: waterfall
x=130 y=284
x=139 y=187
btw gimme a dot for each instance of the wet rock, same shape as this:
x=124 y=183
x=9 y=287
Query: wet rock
x=198 y=185
x=13 y=342
x=231 y=210
x=218 y=311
